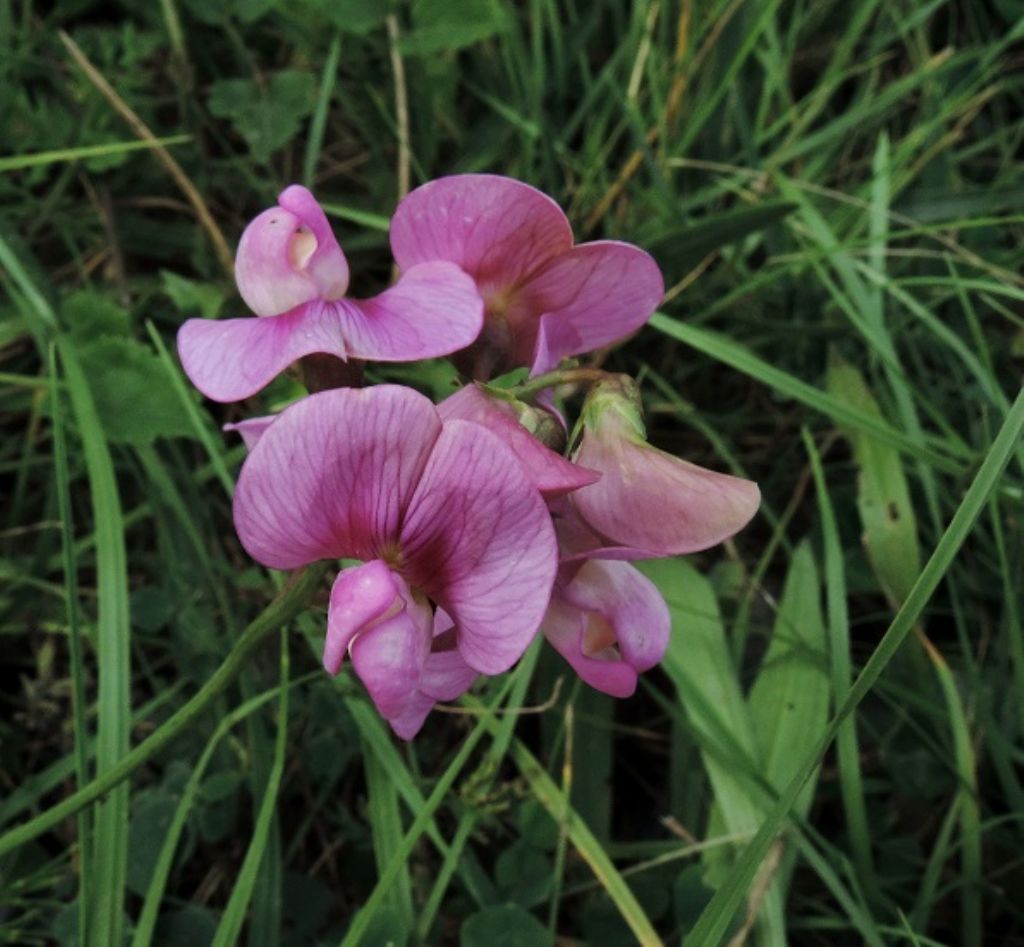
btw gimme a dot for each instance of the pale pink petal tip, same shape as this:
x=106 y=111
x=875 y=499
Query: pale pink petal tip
x=389 y=654
x=288 y=256
x=360 y=596
x=251 y=429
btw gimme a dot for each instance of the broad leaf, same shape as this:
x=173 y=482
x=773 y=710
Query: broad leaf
x=267 y=115
x=134 y=397
x=883 y=497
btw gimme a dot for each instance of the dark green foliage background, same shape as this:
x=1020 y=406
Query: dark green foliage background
x=825 y=184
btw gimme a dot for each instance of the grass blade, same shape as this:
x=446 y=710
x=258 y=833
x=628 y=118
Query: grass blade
x=386 y=831
x=970 y=811
x=81 y=730
x=548 y=794
x=851 y=784
x=20 y=162
x=146 y=923
x=230 y=926
x=369 y=910
x=375 y=735
x=295 y=595
x=319 y=121
x=736 y=356
x=114 y=656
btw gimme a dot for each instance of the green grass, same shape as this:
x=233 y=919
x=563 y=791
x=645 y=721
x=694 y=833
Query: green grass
x=830 y=751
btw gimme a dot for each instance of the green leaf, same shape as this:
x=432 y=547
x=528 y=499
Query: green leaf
x=191 y=296
x=699 y=664
x=267 y=115
x=523 y=874
x=689 y=897
x=134 y=397
x=440 y=25
x=152 y=815
x=110 y=849
x=789 y=700
x=89 y=315
x=152 y=607
x=351 y=16
x=504 y=925
x=536 y=826
x=216 y=12
x=191 y=925
x=883 y=497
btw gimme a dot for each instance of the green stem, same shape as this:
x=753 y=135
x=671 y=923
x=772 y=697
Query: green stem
x=568 y=376
x=292 y=598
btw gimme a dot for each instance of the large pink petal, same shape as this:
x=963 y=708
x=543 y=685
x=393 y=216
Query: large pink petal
x=329 y=479
x=434 y=309
x=552 y=474
x=588 y=297
x=497 y=229
x=232 y=359
x=653 y=502
x=478 y=538
x=360 y=596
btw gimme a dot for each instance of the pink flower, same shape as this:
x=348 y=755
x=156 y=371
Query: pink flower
x=605 y=618
x=441 y=514
x=647 y=503
x=545 y=298
x=291 y=271
x=609 y=622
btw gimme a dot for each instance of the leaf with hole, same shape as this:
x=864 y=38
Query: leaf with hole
x=883 y=497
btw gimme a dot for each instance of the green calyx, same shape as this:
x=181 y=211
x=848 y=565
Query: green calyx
x=615 y=397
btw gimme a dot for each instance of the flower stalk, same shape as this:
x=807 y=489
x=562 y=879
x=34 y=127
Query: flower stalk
x=566 y=376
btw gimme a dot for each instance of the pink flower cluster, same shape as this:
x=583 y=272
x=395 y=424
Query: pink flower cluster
x=470 y=533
